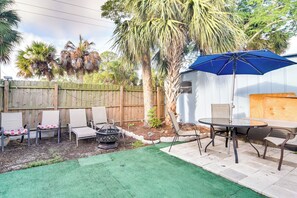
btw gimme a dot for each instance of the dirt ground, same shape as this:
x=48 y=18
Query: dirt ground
x=19 y=155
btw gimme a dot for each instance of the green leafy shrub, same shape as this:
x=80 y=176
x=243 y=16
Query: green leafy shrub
x=153 y=121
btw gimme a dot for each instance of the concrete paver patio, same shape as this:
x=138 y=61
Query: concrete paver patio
x=253 y=172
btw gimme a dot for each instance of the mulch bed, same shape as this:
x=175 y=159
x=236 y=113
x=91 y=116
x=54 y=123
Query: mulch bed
x=164 y=131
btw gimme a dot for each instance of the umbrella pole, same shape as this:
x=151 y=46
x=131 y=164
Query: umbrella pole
x=233 y=90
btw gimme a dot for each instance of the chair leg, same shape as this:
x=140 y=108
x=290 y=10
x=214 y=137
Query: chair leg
x=76 y=141
x=2 y=142
x=59 y=135
x=36 y=138
x=281 y=157
x=199 y=144
x=174 y=139
x=28 y=137
x=266 y=144
x=22 y=139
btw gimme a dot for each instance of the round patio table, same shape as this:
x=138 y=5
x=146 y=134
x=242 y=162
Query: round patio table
x=232 y=125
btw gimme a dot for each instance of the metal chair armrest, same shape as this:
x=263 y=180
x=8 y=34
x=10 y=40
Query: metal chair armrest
x=285 y=131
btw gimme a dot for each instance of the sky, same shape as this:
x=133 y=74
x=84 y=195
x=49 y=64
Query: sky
x=58 y=21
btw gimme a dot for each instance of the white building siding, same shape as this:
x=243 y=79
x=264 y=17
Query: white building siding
x=209 y=88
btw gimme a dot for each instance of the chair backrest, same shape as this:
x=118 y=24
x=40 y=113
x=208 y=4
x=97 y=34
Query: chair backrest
x=220 y=110
x=11 y=121
x=50 y=117
x=174 y=122
x=78 y=117
x=99 y=115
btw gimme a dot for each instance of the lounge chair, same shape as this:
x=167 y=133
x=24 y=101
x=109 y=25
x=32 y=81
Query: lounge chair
x=12 y=125
x=100 y=119
x=280 y=142
x=179 y=132
x=78 y=125
x=50 y=122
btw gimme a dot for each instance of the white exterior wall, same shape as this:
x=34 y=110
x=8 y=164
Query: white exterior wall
x=209 y=88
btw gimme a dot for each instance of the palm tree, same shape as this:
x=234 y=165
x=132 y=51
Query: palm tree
x=169 y=25
x=8 y=36
x=133 y=40
x=173 y=24
x=79 y=59
x=38 y=60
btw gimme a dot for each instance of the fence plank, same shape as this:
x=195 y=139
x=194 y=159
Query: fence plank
x=122 y=105
x=6 y=95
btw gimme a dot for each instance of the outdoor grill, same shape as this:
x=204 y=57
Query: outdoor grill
x=107 y=137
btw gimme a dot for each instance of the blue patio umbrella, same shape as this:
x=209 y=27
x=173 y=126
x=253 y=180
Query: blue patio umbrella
x=255 y=62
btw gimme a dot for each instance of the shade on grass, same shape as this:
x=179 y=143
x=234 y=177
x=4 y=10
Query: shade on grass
x=144 y=172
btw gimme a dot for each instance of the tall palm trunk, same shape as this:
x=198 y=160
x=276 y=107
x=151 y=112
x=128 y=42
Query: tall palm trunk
x=172 y=82
x=147 y=85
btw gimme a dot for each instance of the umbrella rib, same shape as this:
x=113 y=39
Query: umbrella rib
x=245 y=61
x=225 y=65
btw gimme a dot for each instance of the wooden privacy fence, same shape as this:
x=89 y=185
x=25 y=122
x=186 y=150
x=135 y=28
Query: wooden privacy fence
x=123 y=104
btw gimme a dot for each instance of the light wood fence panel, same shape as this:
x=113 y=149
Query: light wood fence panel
x=32 y=97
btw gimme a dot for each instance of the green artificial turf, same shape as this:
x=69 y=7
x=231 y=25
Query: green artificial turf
x=143 y=172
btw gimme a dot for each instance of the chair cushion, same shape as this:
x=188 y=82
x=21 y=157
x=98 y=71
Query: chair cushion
x=275 y=140
x=13 y=132
x=84 y=132
x=47 y=126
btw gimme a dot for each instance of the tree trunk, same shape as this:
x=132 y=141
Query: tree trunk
x=172 y=82
x=147 y=85
x=172 y=85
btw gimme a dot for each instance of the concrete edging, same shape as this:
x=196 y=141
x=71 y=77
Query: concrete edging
x=162 y=139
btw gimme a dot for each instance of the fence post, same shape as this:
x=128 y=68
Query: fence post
x=56 y=96
x=158 y=103
x=121 y=106
x=6 y=96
